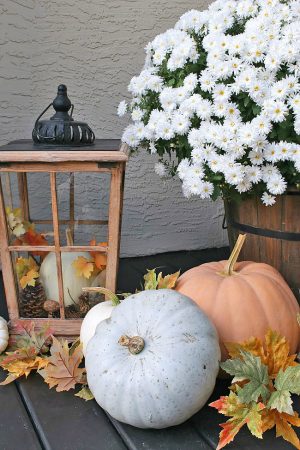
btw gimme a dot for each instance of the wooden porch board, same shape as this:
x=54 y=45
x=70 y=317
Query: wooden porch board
x=66 y=422
x=16 y=429
x=181 y=437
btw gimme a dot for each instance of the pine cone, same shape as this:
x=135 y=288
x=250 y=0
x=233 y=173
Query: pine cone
x=73 y=312
x=84 y=303
x=32 y=300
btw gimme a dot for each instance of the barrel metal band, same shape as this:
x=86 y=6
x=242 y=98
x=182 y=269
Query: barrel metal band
x=284 y=235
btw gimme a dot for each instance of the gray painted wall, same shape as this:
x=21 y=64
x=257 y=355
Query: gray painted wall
x=95 y=47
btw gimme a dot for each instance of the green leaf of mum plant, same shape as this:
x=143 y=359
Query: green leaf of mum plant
x=286 y=383
x=249 y=368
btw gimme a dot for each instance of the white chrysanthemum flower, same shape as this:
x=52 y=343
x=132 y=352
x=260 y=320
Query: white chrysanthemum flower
x=137 y=114
x=268 y=199
x=160 y=169
x=180 y=123
x=276 y=110
x=277 y=185
x=221 y=91
x=253 y=173
x=122 y=108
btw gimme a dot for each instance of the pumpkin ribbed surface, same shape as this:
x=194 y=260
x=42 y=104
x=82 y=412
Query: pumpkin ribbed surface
x=154 y=363
x=247 y=303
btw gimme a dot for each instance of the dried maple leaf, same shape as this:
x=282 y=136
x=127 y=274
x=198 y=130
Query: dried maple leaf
x=83 y=267
x=283 y=424
x=29 y=279
x=26 y=337
x=85 y=393
x=25 y=351
x=31 y=237
x=240 y=414
x=167 y=282
x=154 y=281
x=274 y=352
x=150 y=279
x=100 y=258
x=63 y=369
x=20 y=367
x=249 y=368
x=15 y=221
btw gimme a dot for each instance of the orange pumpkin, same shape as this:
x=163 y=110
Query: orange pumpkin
x=243 y=299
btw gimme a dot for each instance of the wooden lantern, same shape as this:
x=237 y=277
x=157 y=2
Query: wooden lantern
x=20 y=160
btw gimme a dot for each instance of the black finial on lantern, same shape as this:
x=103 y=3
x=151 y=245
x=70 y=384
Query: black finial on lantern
x=61 y=128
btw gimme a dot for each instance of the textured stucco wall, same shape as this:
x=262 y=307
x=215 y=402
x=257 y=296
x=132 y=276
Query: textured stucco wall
x=95 y=46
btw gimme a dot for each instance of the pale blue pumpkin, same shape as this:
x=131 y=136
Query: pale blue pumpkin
x=165 y=375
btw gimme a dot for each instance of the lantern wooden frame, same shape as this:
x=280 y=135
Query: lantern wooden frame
x=22 y=157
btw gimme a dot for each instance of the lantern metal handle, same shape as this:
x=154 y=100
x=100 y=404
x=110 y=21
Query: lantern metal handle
x=36 y=122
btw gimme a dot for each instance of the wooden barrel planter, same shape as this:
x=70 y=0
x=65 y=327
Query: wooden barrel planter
x=273 y=233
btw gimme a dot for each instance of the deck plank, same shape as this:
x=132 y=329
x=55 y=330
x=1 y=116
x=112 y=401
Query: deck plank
x=66 y=422
x=16 y=429
x=182 y=437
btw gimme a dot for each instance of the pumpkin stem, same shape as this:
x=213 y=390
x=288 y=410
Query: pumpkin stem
x=69 y=237
x=229 y=266
x=134 y=344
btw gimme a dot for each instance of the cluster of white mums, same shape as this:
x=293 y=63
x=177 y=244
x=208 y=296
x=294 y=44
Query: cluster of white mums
x=272 y=39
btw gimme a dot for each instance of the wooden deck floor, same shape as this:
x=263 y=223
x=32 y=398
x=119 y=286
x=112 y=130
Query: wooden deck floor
x=33 y=417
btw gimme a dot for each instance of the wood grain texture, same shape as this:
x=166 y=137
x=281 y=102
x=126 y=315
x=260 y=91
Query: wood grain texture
x=8 y=275
x=16 y=429
x=56 y=230
x=284 y=216
x=66 y=422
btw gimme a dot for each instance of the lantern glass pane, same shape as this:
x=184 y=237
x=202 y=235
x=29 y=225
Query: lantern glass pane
x=36 y=282
x=27 y=200
x=83 y=204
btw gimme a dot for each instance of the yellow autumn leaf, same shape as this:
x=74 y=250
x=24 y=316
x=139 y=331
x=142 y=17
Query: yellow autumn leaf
x=18 y=368
x=29 y=279
x=167 y=282
x=83 y=267
x=274 y=352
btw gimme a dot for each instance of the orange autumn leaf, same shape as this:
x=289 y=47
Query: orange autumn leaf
x=274 y=352
x=240 y=414
x=29 y=279
x=83 y=267
x=100 y=258
x=31 y=237
x=63 y=369
x=283 y=424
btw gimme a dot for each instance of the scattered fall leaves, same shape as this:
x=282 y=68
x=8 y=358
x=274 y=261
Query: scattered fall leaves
x=265 y=376
x=83 y=267
x=26 y=351
x=85 y=393
x=154 y=281
x=63 y=369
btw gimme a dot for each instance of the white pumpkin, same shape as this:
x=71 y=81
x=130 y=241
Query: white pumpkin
x=73 y=284
x=169 y=369
x=4 y=335
x=97 y=314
